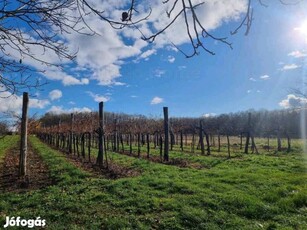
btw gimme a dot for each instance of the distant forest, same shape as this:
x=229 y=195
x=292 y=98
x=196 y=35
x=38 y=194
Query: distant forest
x=263 y=123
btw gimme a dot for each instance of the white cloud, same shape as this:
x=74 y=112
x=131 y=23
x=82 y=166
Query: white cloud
x=159 y=72
x=13 y=103
x=60 y=110
x=264 y=77
x=69 y=80
x=182 y=67
x=55 y=94
x=105 y=58
x=53 y=73
x=38 y=104
x=147 y=54
x=98 y=98
x=206 y=115
x=290 y=66
x=252 y=79
x=10 y=103
x=133 y=96
x=103 y=55
x=171 y=59
x=249 y=91
x=156 y=100
x=293 y=101
x=297 y=54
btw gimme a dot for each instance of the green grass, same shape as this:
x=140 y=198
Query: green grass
x=247 y=192
x=6 y=143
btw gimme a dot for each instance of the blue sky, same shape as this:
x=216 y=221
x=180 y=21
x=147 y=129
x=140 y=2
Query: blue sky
x=258 y=73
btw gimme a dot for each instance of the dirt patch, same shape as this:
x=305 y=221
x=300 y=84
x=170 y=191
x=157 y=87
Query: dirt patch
x=181 y=163
x=110 y=170
x=38 y=174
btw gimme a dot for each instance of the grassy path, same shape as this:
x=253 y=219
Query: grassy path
x=6 y=143
x=252 y=192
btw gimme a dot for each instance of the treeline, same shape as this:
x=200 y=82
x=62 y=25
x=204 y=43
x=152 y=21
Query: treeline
x=263 y=123
x=4 y=128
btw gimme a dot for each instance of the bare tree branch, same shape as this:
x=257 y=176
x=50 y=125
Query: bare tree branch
x=28 y=26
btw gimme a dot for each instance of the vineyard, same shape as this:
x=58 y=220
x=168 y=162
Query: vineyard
x=80 y=134
x=101 y=171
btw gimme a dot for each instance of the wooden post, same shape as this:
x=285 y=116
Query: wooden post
x=201 y=137
x=181 y=140
x=208 y=144
x=115 y=149
x=166 y=134
x=139 y=144
x=248 y=133
x=228 y=146
x=130 y=144
x=148 y=144
x=219 y=142
x=278 y=141
x=24 y=136
x=101 y=135
x=193 y=143
x=71 y=132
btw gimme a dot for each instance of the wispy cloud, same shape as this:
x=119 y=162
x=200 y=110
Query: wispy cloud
x=97 y=97
x=147 y=54
x=159 y=72
x=206 y=115
x=156 y=100
x=171 y=59
x=61 y=110
x=55 y=74
x=297 y=54
x=55 y=94
x=38 y=104
x=290 y=67
x=252 y=79
x=264 y=77
x=181 y=67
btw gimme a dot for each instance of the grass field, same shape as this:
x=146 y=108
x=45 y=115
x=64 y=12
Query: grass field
x=265 y=191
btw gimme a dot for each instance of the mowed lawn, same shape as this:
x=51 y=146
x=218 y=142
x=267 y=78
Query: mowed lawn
x=265 y=191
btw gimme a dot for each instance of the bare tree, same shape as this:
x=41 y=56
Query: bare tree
x=28 y=26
